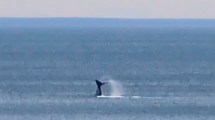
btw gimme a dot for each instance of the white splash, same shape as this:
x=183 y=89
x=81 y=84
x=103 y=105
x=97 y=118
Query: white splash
x=116 y=88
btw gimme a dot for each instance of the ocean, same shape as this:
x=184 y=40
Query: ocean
x=159 y=72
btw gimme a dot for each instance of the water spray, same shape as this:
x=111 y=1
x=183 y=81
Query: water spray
x=116 y=88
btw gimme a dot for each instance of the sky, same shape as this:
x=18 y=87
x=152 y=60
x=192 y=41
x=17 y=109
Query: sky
x=109 y=8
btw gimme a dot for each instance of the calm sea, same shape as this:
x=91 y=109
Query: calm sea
x=48 y=73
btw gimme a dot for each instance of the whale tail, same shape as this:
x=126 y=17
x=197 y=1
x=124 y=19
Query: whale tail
x=99 y=91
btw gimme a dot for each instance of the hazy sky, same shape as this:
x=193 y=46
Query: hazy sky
x=109 y=8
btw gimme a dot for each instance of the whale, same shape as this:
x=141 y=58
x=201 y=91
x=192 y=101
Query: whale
x=99 y=84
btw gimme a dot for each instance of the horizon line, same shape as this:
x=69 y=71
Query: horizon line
x=113 y=18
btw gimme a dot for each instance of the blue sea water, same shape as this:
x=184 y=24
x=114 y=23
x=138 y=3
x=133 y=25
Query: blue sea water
x=48 y=73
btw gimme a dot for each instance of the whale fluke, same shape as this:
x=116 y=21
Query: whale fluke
x=99 y=91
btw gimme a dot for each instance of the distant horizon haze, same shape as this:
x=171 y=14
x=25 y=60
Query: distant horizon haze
x=189 y=9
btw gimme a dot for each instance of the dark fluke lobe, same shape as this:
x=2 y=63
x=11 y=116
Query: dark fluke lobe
x=99 y=91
